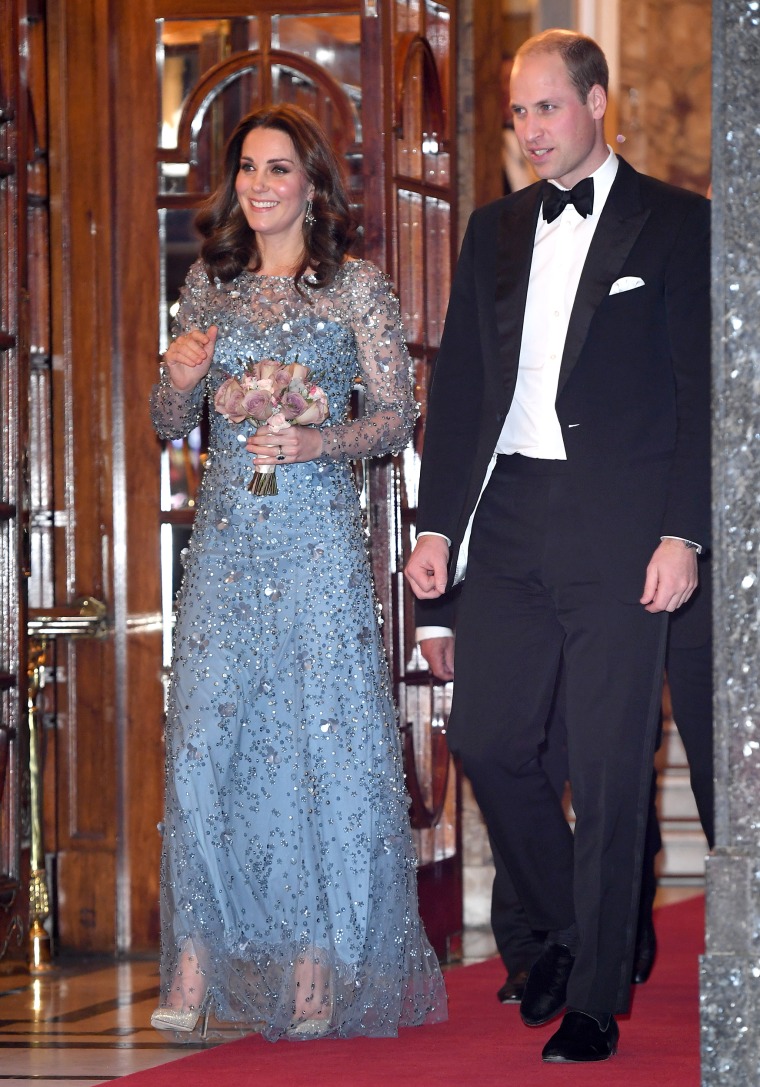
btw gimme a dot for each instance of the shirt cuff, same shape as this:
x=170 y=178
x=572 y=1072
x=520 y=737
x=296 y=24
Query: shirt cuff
x=688 y=543
x=421 y=534
x=421 y=633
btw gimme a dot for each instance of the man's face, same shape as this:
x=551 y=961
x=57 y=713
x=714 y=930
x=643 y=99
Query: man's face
x=561 y=136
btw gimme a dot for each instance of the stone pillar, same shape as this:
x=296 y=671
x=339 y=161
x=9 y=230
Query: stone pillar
x=730 y=971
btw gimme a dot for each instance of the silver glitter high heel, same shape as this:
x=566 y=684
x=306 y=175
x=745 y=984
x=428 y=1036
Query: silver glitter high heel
x=309 y=1028
x=182 y=1019
x=312 y=1028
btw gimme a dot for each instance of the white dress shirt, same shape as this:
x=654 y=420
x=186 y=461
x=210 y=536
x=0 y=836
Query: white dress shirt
x=560 y=249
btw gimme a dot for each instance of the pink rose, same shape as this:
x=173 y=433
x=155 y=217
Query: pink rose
x=257 y=404
x=267 y=369
x=298 y=372
x=277 y=422
x=292 y=404
x=250 y=382
x=227 y=400
x=282 y=378
x=315 y=413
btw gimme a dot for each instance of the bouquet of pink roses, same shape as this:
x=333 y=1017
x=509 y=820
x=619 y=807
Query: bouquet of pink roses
x=274 y=395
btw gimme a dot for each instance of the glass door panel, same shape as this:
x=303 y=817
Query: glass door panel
x=438 y=266
x=332 y=41
x=407 y=16
x=411 y=249
x=184 y=50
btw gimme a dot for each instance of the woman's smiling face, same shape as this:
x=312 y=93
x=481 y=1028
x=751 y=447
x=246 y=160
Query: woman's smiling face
x=271 y=186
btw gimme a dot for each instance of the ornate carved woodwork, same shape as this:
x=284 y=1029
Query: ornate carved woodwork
x=79 y=540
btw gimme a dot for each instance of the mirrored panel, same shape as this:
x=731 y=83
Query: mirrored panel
x=331 y=41
x=185 y=50
x=438 y=34
x=438 y=266
x=179 y=245
x=411 y=281
x=407 y=17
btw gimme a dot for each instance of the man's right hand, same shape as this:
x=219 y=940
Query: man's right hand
x=427 y=569
x=188 y=358
x=439 y=654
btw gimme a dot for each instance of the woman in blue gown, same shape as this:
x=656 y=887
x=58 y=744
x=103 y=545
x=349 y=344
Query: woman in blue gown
x=288 y=883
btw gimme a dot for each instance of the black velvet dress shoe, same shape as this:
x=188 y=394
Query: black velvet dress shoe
x=513 y=988
x=545 y=992
x=646 y=953
x=581 y=1039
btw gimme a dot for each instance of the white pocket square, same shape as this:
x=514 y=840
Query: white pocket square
x=627 y=283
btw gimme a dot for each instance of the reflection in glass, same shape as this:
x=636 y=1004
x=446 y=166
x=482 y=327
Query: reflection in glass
x=174 y=540
x=185 y=50
x=181 y=470
x=407 y=17
x=410 y=272
x=331 y=41
x=179 y=245
x=421 y=124
x=438 y=234
x=425 y=711
x=408 y=145
x=438 y=34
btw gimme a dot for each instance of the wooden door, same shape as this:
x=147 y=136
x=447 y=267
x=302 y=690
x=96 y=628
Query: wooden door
x=26 y=521
x=14 y=355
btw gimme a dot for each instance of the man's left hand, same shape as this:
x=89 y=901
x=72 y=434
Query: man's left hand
x=671 y=576
x=439 y=654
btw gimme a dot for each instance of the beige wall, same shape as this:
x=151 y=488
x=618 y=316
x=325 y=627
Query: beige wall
x=665 y=82
x=660 y=78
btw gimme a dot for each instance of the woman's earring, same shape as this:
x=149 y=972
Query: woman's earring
x=309 y=218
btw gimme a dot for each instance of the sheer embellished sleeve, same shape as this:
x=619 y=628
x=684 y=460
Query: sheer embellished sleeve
x=175 y=414
x=385 y=372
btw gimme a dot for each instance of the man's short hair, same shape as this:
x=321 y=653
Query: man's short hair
x=585 y=62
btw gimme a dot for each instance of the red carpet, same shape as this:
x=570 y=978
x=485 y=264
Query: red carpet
x=484 y=1044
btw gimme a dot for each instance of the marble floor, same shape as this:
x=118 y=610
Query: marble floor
x=86 y=1022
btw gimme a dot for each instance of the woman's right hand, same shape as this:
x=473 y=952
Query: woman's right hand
x=188 y=358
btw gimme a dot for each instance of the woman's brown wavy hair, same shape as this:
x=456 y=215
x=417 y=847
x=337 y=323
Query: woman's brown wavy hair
x=229 y=244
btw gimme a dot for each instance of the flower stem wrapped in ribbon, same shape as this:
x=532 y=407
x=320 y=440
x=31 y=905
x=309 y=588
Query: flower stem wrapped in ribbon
x=275 y=395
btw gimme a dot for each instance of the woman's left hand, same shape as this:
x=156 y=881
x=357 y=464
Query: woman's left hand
x=296 y=443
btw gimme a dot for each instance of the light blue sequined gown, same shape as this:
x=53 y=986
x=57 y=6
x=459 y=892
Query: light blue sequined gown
x=286 y=833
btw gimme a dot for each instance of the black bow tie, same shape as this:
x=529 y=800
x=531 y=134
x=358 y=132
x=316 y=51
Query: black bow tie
x=556 y=200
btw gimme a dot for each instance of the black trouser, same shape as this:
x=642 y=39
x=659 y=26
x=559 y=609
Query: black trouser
x=533 y=601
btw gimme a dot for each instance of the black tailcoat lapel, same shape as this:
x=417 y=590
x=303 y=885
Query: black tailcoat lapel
x=517 y=231
x=619 y=226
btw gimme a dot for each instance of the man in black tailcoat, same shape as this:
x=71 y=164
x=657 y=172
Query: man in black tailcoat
x=567 y=443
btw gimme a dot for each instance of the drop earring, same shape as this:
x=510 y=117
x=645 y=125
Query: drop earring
x=309 y=217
